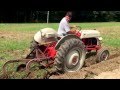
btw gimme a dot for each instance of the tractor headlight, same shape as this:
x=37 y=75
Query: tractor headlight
x=100 y=38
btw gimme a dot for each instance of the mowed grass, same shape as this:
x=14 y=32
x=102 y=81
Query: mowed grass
x=15 y=38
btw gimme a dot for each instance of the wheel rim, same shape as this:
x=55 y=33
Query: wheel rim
x=73 y=61
x=104 y=55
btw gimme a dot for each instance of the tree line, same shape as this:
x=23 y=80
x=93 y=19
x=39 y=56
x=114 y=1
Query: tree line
x=37 y=16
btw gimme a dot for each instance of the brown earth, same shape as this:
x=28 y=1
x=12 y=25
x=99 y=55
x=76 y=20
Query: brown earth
x=109 y=69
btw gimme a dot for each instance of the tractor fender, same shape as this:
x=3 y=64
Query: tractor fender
x=62 y=40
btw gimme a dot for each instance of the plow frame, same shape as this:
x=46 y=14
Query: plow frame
x=40 y=56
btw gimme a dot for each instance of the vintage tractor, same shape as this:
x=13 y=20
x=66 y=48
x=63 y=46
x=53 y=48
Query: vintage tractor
x=66 y=54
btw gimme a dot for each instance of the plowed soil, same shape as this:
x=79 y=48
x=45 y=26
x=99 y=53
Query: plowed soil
x=109 y=69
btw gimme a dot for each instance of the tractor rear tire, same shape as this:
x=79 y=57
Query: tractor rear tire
x=70 y=56
x=102 y=55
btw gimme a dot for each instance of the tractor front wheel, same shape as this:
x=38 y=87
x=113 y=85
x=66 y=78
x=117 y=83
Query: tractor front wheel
x=102 y=55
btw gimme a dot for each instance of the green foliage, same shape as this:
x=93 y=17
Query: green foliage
x=37 y=16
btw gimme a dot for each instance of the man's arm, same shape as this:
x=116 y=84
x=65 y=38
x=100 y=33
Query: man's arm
x=73 y=26
x=73 y=29
x=71 y=32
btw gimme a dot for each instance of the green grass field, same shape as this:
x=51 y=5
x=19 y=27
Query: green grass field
x=15 y=38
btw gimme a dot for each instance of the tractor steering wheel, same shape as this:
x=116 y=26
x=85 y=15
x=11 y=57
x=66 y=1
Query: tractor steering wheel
x=78 y=28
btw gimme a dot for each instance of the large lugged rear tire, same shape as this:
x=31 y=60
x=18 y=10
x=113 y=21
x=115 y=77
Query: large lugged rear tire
x=70 y=56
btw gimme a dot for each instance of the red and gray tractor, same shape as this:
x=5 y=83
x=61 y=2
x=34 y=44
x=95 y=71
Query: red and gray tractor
x=66 y=54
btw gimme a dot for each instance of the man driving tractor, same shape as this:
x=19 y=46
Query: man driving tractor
x=64 y=27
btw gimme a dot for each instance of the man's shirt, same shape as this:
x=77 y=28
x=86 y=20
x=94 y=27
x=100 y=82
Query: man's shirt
x=63 y=27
